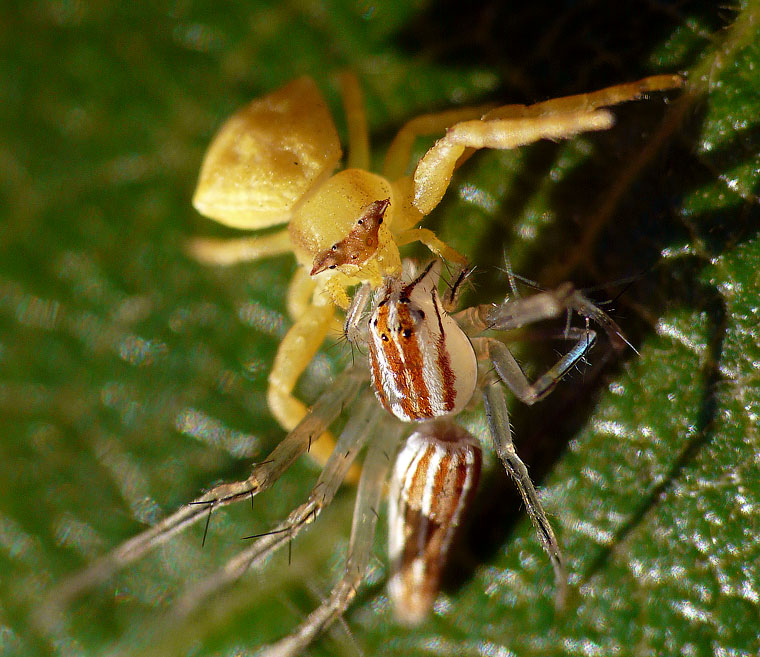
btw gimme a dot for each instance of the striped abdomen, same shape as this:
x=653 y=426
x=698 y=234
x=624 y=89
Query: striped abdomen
x=434 y=480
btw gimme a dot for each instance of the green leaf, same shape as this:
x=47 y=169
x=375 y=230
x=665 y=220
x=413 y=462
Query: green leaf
x=131 y=377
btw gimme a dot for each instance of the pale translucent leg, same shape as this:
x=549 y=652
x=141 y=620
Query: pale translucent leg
x=263 y=475
x=211 y=251
x=511 y=373
x=516 y=313
x=498 y=422
x=519 y=125
x=352 y=439
x=356 y=120
x=368 y=496
x=355 y=328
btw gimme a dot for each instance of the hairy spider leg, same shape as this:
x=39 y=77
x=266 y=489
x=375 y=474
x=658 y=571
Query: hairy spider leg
x=365 y=420
x=501 y=434
x=325 y=410
x=513 y=314
x=368 y=496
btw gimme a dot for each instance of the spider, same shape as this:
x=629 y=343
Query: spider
x=425 y=364
x=272 y=163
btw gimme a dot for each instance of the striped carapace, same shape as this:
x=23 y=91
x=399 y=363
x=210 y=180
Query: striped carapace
x=422 y=364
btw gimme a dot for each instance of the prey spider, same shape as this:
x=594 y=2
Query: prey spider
x=425 y=363
x=272 y=163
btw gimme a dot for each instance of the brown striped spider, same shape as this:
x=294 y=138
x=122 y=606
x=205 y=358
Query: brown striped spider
x=273 y=163
x=424 y=366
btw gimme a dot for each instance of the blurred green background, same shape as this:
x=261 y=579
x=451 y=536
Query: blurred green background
x=131 y=377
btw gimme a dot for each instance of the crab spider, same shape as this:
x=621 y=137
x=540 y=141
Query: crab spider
x=424 y=366
x=272 y=163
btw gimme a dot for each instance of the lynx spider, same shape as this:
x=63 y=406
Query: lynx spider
x=440 y=454
x=272 y=163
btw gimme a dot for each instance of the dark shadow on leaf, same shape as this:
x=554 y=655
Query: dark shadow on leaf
x=595 y=42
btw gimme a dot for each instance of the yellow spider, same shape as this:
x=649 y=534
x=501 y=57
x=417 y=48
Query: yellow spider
x=273 y=163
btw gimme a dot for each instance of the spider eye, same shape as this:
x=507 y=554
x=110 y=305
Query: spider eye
x=332 y=266
x=407 y=333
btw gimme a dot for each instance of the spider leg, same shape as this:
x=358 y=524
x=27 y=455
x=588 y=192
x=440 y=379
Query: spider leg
x=350 y=442
x=511 y=126
x=355 y=328
x=433 y=173
x=356 y=119
x=432 y=242
x=297 y=349
x=232 y=251
x=498 y=422
x=264 y=474
x=516 y=313
x=511 y=373
x=399 y=152
x=607 y=97
x=368 y=497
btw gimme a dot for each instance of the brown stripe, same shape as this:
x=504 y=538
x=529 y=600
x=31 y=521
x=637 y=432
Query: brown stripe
x=377 y=381
x=416 y=490
x=448 y=378
x=414 y=397
x=418 y=394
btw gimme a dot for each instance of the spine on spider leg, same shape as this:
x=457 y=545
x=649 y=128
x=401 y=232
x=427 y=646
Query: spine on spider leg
x=434 y=480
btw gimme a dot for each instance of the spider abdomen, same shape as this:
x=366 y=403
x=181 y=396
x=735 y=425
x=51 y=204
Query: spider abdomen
x=434 y=479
